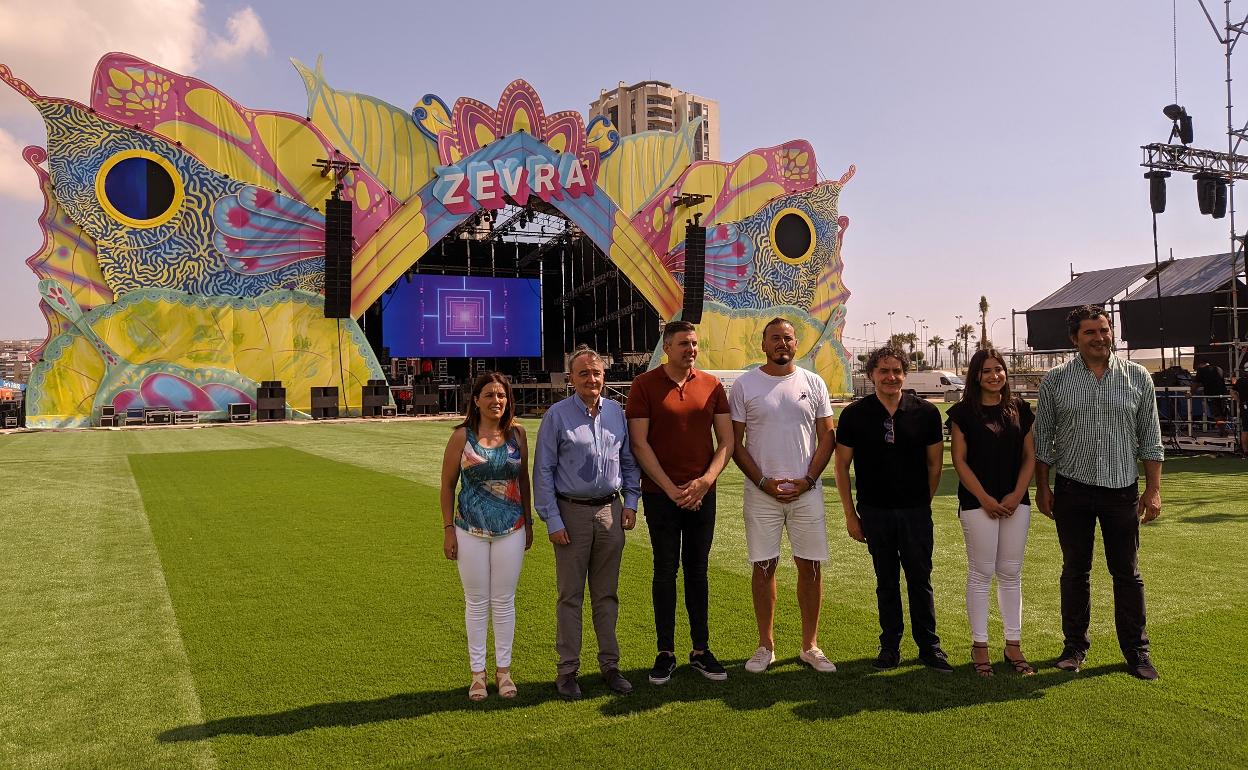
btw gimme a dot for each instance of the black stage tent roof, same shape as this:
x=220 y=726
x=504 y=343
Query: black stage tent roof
x=1190 y=290
x=1046 y=320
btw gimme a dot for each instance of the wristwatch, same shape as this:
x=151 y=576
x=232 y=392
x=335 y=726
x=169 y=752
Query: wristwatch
x=811 y=482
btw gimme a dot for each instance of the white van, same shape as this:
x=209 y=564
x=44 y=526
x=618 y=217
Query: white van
x=934 y=382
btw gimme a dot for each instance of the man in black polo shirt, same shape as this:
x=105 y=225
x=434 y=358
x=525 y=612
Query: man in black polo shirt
x=896 y=444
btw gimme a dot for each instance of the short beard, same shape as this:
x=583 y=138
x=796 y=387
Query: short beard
x=782 y=359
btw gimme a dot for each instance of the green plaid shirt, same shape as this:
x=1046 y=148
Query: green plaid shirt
x=1094 y=430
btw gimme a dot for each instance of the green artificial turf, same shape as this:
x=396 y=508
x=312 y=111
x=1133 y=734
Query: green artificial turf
x=275 y=596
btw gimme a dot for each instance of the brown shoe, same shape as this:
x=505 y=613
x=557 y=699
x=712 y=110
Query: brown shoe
x=566 y=686
x=616 y=681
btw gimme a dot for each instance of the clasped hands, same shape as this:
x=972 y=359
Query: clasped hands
x=1004 y=508
x=785 y=490
x=689 y=495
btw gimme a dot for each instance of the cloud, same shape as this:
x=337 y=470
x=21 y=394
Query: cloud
x=17 y=180
x=246 y=35
x=54 y=44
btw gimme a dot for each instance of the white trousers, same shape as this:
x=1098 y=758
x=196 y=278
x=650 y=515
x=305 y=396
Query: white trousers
x=995 y=547
x=490 y=570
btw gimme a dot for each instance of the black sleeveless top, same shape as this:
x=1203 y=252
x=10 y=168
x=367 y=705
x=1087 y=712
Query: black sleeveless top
x=994 y=448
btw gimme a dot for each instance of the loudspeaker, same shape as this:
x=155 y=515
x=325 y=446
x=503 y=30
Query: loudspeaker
x=270 y=401
x=325 y=403
x=1157 y=190
x=695 y=272
x=374 y=397
x=337 y=258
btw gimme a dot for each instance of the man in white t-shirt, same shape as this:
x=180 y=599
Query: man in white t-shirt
x=782 y=422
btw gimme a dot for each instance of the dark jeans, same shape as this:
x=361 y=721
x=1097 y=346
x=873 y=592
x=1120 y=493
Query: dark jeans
x=901 y=539
x=679 y=538
x=1076 y=509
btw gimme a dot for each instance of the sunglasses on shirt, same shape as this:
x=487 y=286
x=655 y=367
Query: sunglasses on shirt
x=890 y=433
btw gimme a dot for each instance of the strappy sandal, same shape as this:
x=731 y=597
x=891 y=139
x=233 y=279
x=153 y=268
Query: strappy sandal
x=983 y=669
x=1020 y=663
x=506 y=687
x=476 y=690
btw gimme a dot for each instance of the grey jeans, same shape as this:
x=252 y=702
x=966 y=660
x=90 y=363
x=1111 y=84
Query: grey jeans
x=596 y=536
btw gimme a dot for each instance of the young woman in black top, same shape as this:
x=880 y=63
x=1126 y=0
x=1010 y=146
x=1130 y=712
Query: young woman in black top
x=993 y=454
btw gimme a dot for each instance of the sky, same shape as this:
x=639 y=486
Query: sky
x=996 y=144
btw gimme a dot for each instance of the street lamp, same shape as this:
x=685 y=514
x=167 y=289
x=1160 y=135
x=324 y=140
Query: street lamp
x=890 y=323
x=872 y=325
x=991 y=327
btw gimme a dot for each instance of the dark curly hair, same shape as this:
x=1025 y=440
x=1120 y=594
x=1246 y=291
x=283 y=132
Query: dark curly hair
x=1085 y=313
x=875 y=356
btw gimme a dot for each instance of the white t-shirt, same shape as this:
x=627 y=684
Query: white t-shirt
x=779 y=415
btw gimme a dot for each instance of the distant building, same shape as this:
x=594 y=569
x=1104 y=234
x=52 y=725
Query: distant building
x=15 y=363
x=653 y=105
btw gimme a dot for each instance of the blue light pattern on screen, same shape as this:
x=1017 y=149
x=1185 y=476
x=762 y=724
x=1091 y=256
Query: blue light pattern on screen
x=442 y=316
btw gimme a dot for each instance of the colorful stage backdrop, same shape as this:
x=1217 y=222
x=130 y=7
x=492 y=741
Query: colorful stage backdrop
x=183 y=259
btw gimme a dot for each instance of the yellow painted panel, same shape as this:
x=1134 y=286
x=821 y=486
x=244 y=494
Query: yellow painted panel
x=216 y=153
x=217 y=110
x=293 y=146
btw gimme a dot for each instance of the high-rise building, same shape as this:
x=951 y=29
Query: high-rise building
x=15 y=364
x=653 y=105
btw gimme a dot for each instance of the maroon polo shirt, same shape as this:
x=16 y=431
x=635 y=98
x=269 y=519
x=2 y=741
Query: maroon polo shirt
x=681 y=421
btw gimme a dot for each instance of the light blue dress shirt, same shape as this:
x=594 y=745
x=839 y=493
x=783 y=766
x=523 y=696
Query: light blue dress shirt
x=582 y=456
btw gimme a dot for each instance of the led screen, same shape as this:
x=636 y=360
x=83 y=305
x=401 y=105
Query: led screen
x=443 y=316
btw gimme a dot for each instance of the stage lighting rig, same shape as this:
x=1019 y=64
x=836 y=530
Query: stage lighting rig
x=1182 y=123
x=339 y=168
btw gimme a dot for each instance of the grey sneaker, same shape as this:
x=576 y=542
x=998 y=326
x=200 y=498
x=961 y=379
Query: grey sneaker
x=760 y=660
x=815 y=658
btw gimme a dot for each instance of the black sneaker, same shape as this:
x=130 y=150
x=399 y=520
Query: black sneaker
x=705 y=664
x=936 y=660
x=1141 y=666
x=887 y=660
x=1071 y=660
x=664 y=667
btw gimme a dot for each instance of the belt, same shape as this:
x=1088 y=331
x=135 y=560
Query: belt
x=589 y=500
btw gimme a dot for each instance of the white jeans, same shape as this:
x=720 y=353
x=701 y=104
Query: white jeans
x=995 y=546
x=490 y=570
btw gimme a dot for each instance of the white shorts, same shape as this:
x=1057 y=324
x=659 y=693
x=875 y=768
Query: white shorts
x=804 y=518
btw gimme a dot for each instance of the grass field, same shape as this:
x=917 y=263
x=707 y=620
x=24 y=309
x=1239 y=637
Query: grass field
x=275 y=596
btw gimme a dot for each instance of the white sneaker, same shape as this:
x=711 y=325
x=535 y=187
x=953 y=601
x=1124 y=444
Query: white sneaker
x=760 y=660
x=815 y=658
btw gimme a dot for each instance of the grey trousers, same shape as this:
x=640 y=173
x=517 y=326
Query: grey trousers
x=596 y=537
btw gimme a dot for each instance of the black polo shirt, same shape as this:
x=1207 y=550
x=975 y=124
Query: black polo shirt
x=891 y=475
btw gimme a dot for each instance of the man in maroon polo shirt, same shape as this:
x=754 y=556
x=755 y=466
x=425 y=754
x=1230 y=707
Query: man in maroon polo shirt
x=671 y=413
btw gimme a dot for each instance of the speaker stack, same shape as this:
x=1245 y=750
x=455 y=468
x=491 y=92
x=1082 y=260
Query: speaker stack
x=325 y=403
x=375 y=396
x=695 y=272
x=270 y=401
x=337 y=258
x=108 y=416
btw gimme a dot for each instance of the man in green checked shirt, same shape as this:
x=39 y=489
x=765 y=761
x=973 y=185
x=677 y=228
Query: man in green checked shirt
x=1096 y=417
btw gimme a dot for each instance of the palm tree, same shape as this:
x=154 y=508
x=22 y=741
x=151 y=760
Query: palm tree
x=965 y=331
x=897 y=341
x=955 y=348
x=934 y=343
x=909 y=338
x=983 y=321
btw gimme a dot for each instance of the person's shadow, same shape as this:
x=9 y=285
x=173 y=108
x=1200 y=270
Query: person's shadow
x=855 y=688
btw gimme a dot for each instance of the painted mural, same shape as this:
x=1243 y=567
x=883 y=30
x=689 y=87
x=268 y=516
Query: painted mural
x=183 y=258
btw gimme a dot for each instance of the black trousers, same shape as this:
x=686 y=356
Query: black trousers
x=1076 y=509
x=901 y=539
x=680 y=538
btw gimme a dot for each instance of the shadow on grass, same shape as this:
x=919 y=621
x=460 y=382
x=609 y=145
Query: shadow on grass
x=1212 y=518
x=854 y=689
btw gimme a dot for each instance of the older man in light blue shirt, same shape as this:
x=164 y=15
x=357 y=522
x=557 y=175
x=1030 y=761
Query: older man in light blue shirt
x=582 y=465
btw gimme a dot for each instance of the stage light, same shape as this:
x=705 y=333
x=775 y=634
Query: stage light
x=1157 y=190
x=1182 y=122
